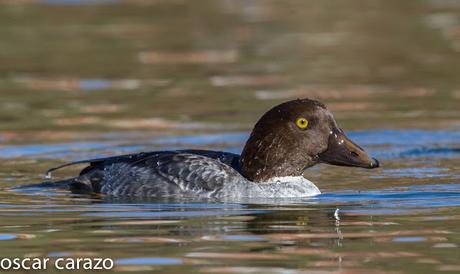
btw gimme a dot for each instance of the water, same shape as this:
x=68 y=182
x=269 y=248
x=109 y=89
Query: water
x=86 y=79
x=404 y=215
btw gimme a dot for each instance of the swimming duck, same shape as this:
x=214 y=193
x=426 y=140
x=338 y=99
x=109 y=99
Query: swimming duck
x=286 y=140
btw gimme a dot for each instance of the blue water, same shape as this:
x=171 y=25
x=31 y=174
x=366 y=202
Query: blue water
x=383 y=144
x=148 y=261
x=406 y=155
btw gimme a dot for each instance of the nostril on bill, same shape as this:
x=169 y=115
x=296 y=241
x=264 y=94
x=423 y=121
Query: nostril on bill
x=376 y=163
x=354 y=154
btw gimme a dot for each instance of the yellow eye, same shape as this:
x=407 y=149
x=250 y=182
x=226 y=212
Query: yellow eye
x=302 y=123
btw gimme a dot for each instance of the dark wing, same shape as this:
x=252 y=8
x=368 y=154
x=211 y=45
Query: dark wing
x=158 y=174
x=228 y=158
x=96 y=161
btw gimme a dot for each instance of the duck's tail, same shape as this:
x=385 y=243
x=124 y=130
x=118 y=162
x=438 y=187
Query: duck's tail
x=80 y=184
x=63 y=184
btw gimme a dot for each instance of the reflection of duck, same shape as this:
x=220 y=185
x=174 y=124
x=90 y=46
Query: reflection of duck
x=287 y=139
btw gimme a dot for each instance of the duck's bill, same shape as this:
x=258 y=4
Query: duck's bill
x=342 y=151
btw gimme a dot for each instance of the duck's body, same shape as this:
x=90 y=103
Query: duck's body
x=190 y=173
x=186 y=172
x=285 y=141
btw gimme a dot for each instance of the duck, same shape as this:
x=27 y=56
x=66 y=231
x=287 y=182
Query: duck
x=285 y=141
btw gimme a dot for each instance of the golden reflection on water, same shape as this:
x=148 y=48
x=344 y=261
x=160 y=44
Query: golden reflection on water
x=236 y=57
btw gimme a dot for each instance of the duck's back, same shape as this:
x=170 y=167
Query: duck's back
x=163 y=173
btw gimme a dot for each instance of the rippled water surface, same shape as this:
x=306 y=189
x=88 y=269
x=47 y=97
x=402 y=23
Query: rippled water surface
x=82 y=79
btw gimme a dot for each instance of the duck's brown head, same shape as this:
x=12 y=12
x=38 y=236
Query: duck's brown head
x=296 y=135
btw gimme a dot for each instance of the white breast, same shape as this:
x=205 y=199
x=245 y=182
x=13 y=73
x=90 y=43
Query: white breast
x=278 y=187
